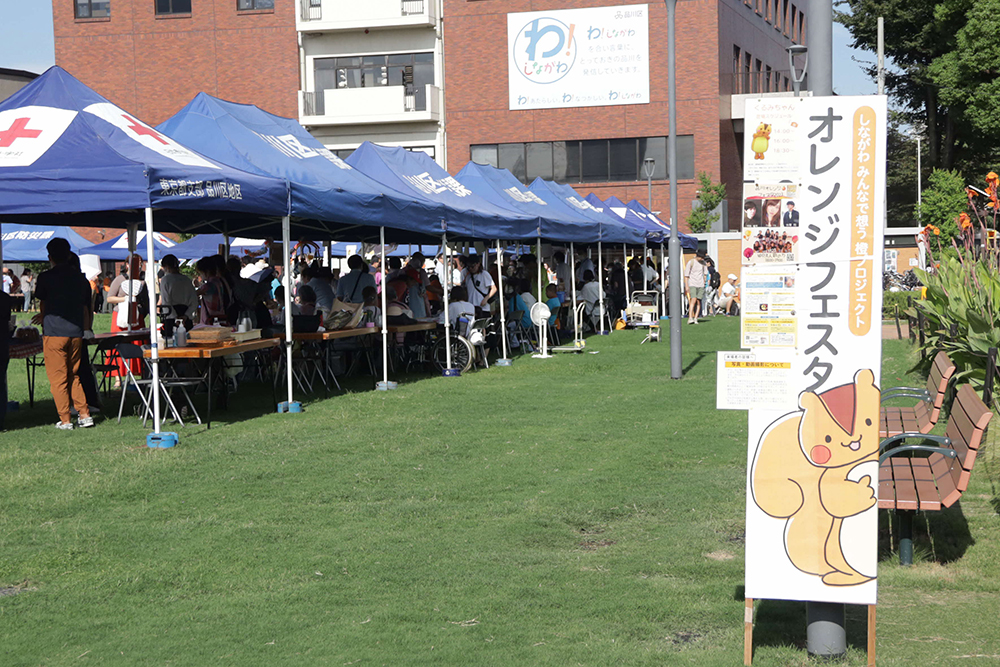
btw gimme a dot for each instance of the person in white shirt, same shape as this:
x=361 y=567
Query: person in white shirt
x=479 y=285
x=563 y=276
x=729 y=295
x=351 y=286
x=458 y=307
x=650 y=274
x=591 y=295
x=176 y=289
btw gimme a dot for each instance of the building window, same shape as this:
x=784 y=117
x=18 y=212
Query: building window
x=92 y=9
x=792 y=27
x=589 y=161
x=247 y=5
x=802 y=28
x=173 y=7
x=737 y=59
x=413 y=71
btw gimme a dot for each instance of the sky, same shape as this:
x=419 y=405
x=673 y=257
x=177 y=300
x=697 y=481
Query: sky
x=26 y=43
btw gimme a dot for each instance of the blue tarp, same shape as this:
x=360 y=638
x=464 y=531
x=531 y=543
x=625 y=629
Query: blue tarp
x=572 y=204
x=26 y=243
x=415 y=173
x=116 y=249
x=204 y=245
x=323 y=187
x=687 y=241
x=502 y=188
x=66 y=149
x=653 y=232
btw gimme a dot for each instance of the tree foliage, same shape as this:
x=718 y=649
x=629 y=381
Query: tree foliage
x=942 y=202
x=945 y=54
x=710 y=195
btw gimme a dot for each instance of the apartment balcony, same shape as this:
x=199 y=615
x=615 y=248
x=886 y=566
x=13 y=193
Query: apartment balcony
x=369 y=106
x=338 y=15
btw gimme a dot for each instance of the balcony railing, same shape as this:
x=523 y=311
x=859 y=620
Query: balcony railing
x=410 y=7
x=312 y=10
x=389 y=103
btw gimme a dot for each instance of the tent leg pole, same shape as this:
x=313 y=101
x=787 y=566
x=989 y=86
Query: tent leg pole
x=156 y=439
x=663 y=286
x=645 y=281
x=286 y=244
x=133 y=232
x=384 y=385
x=504 y=361
x=600 y=280
x=538 y=263
x=572 y=274
x=448 y=370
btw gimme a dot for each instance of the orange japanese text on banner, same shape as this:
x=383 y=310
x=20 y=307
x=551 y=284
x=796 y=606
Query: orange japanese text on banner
x=863 y=217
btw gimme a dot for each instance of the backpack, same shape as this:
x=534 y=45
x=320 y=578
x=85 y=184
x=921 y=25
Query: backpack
x=714 y=280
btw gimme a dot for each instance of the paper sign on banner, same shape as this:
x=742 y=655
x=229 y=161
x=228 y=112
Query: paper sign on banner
x=812 y=471
x=750 y=380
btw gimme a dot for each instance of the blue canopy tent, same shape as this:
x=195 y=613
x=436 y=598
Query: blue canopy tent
x=116 y=249
x=26 y=243
x=416 y=174
x=204 y=245
x=687 y=241
x=652 y=231
x=66 y=150
x=328 y=196
x=502 y=188
x=566 y=199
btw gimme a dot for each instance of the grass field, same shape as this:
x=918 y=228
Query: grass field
x=584 y=510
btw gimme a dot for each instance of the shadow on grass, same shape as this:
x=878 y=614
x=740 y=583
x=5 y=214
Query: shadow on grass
x=942 y=537
x=780 y=623
x=694 y=362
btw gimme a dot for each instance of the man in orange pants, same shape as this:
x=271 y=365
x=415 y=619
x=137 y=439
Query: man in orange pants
x=63 y=295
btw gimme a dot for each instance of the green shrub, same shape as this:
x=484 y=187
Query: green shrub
x=901 y=300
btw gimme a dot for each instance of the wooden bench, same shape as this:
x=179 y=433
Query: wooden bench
x=929 y=483
x=922 y=417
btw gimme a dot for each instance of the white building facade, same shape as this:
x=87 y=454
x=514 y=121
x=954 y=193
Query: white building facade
x=372 y=70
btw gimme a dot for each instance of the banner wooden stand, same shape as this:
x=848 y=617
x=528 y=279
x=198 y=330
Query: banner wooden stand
x=748 y=633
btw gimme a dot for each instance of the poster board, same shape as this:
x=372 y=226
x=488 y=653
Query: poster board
x=816 y=303
x=589 y=57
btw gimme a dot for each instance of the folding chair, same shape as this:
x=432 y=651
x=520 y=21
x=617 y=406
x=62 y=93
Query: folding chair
x=523 y=336
x=129 y=352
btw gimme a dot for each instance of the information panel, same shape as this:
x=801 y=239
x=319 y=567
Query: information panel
x=578 y=57
x=814 y=201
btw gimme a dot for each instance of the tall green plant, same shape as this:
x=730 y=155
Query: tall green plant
x=962 y=303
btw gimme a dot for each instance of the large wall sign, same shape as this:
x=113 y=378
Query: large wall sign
x=578 y=57
x=814 y=196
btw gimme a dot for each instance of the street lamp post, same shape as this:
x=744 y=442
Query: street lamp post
x=676 y=364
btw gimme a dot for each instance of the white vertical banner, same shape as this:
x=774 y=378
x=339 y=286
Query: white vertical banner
x=812 y=472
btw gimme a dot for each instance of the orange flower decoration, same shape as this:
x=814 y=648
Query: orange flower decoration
x=992 y=179
x=964 y=221
x=931 y=229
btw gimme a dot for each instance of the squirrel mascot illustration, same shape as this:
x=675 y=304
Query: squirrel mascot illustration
x=800 y=473
x=761 y=138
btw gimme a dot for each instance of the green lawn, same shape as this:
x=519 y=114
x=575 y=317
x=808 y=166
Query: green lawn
x=584 y=510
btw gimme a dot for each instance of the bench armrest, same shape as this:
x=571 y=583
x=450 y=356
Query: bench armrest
x=940 y=439
x=947 y=451
x=900 y=392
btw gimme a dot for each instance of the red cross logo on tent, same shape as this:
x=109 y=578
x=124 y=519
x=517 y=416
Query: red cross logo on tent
x=143 y=131
x=17 y=130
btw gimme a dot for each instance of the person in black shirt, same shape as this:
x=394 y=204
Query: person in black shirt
x=63 y=296
x=5 y=305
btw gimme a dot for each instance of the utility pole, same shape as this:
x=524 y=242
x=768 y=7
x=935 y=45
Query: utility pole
x=674 y=248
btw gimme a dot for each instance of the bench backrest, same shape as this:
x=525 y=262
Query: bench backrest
x=937 y=387
x=969 y=418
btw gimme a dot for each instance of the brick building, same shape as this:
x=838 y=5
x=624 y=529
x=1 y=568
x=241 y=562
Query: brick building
x=153 y=56
x=724 y=48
